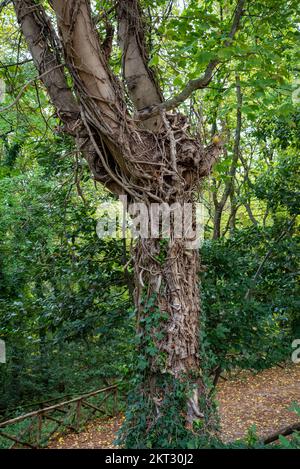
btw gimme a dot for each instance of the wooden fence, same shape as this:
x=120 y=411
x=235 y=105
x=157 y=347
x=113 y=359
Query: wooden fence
x=34 y=429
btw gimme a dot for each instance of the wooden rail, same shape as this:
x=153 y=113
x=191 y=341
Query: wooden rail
x=282 y=432
x=76 y=412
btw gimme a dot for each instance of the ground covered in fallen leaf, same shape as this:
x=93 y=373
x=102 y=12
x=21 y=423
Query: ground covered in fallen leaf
x=245 y=400
x=261 y=399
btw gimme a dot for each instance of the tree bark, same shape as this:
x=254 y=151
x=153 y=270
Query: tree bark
x=141 y=83
x=166 y=278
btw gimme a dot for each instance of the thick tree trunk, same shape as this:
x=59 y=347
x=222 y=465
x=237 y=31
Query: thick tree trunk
x=167 y=271
x=168 y=318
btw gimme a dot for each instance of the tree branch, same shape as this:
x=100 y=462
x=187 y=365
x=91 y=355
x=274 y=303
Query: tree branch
x=250 y=213
x=140 y=79
x=98 y=91
x=16 y=64
x=198 y=83
x=44 y=48
x=269 y=254
x=42 y=43
x=108 y=41
x=20 y=94
x=229 y=185
x=86 y=61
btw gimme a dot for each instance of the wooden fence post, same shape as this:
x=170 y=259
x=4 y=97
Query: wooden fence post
x=39 y=429
x=78 y=414
x=116 y=402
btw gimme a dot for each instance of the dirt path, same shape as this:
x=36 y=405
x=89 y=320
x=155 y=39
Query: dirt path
x=244 y=400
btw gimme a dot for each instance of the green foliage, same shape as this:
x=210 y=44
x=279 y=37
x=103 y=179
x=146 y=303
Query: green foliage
x=144 y=427
x=64 y=299
x=249 y=321
x=279 y=185
x=155 y=414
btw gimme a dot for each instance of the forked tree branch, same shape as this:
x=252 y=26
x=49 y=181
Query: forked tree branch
x=44 y=48
x=24 y=87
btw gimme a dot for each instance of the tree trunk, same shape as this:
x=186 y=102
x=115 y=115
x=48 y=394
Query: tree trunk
x=217 y=224
x=168 y=307
x=229 y=185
